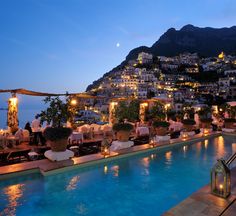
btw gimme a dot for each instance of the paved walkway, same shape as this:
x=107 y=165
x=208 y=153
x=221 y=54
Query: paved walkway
x=203 y=203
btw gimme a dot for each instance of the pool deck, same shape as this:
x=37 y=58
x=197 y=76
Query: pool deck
x=203 y=203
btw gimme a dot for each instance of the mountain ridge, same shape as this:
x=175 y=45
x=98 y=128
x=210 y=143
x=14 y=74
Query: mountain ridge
x=206 y=41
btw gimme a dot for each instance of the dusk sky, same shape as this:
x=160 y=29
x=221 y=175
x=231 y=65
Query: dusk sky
x=64 y=45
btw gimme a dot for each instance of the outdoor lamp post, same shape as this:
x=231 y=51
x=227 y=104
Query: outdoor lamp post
x=220 y=179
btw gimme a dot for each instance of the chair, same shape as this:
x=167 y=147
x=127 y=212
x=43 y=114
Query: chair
x=96 y=129
x=141 y=140
x=89 y=148
x=26 y=136
x=19 y=135
x=18 y=156
x=3 y=158
x=142 y=131
x=41 y=151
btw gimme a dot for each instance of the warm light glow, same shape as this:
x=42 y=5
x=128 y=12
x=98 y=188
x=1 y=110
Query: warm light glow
x=220 y=146
x=12 y=115
x=115 y=169
x=106 y=151
x=152 y=143
x=168 y=155
x=167 y=106
x=146 y=161
x=114 y=103
x=14 y=101
x=206 y=131
x=105 y=169
x=144 y=104
x=185 y=148
x=13 y=193
x=221 y=55
x=73 y=183
x=152 y=156
x=233 y=147
x=184 y=135
x=112 y=107
x=221 y=186
x=73 y=102
x=206 y=143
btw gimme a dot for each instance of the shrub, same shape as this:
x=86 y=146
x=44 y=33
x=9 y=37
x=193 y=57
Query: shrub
x=188 y=122
x=230 y=120
x=54 y=134
x=206 y=120
x=122 y=127
x=160 y=124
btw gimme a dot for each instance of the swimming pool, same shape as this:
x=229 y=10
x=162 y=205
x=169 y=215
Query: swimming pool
x=144 y=184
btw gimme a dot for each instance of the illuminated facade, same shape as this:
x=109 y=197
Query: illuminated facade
x=12 y=114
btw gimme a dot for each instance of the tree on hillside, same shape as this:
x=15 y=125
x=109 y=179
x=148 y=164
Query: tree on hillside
x=129 y=111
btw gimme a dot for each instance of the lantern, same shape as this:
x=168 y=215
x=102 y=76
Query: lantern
x=184 y=135
x=152 y=142
x=105 y=147
x=206 y=131
x=220 y=179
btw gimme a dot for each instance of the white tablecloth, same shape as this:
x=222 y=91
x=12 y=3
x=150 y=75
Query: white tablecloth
x=117 y=145
x=76 y=137
x=141 y=131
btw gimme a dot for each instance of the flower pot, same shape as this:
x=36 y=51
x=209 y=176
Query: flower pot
x=161 y=131
x=188 y=127
x=205 y=124
x=58 y=145
x=57 y=138
x=123 y=136
x=229 y=124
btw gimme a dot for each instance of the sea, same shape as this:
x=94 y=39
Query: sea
x=24 y=116
x=28 y=107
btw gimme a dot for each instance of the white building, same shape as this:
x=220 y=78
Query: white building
x=144 y=58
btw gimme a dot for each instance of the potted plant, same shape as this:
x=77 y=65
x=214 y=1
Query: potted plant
x=157 y=112
x=57 y=138
x=205 y=117
x=229 y=123
x=57 y=113
x=188 y=124
x=206 y=122
x=161 y=127
x=128 y=111
x=123 y=131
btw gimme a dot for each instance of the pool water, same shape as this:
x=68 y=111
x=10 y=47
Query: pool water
x=145 y=184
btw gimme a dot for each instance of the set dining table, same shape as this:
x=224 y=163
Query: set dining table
x=8 y=140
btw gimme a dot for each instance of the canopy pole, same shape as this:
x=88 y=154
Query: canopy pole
x=12 y=114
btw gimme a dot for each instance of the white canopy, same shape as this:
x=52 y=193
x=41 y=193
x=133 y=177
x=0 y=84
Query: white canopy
x=232 y=103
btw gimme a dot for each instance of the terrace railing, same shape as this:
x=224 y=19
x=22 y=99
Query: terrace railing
x=231 y=159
